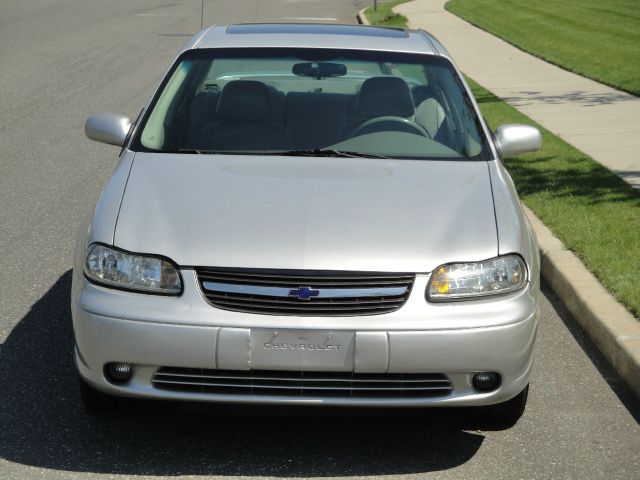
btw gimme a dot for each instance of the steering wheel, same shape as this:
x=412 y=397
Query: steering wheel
x=404 y=122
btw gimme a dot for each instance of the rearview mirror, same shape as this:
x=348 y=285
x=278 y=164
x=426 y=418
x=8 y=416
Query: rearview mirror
x=108 y=128
x=514 y=139
x=319 y=70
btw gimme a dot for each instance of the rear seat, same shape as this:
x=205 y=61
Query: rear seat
x=203 y=114
x=316 y=119
x=313 y=119
x=246 y=119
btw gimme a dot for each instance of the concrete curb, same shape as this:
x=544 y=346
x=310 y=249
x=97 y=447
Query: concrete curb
x=611 y=327
x=362 y=18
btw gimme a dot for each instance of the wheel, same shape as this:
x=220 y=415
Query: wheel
x=403 y=123
x=509 y=412
x=96 y=402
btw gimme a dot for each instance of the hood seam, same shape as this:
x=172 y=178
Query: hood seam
x=493 y=203
x=124 y=191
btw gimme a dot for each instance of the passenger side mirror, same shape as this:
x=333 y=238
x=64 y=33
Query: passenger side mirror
x=108 y=128
x=514 y=139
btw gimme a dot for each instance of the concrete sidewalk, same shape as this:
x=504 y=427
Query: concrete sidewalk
x=602 y=122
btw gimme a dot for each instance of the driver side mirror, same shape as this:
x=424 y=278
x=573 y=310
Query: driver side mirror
x=108 y=128
x=514 y=139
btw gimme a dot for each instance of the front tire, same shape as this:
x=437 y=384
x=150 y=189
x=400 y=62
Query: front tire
x=507 y=413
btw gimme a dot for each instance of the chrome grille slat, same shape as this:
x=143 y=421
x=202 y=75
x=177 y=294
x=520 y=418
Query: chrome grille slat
x=335 y=293
x=283 y=292
x=325 y=283
x=319 y=308
x=305 y=311
x=271 y=277
x=335 y=301
x=295 y=383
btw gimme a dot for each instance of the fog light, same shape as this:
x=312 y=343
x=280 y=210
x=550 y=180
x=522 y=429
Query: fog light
x=486 y=381
x=118 y=372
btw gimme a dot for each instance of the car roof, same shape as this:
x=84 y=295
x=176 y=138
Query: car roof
x=301 y=35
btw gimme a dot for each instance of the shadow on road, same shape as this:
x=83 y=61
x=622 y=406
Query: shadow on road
x=44 y=425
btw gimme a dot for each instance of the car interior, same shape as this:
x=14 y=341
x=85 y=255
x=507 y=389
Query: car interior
x=248 y=113
x=314 y=106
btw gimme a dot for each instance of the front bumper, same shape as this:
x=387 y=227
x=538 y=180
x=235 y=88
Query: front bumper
x=455 y=340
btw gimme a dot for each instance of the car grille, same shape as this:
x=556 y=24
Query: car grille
x=305 y=292
x=303 y=384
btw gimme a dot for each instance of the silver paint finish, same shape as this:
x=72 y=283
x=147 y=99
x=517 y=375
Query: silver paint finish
x=105 y=215
x=217 y=37
x=514 y=139
x=514 y=231
x=458 y=353
x=308 y=213
x=105 y=339
x=108 y=128
x=232 y=350
x=371 y=352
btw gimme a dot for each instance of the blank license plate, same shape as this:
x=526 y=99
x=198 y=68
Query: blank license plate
x=310 y=350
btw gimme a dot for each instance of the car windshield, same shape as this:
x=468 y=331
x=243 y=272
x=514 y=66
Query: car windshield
x=312 y=102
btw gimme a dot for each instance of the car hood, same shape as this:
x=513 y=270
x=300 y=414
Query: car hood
x=307 y=212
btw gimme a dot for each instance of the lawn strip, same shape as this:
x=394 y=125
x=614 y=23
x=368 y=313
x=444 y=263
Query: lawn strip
x=385 y=16
x=599 y=40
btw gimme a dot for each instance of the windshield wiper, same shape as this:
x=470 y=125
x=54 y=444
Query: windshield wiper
x=192 y=150
x=328 y=152
x=290 y=153
x=199 y=151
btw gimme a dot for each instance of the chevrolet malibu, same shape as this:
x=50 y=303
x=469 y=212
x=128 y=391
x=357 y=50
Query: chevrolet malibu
x=309 y=215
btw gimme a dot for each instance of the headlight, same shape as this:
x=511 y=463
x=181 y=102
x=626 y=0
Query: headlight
x=116 y=268
x=477 y=279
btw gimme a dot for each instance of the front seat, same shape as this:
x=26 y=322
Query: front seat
x=431 y=115
x=246 y=119
x=379 y=99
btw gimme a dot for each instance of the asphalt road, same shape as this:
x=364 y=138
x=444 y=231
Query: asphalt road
x=61 y=60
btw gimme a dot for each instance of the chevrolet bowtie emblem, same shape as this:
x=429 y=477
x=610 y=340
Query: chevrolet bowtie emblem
x=304 y=293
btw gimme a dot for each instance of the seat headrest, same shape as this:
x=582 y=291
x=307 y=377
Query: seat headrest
x=383 y=96
x=245 y=101
x=422 y=92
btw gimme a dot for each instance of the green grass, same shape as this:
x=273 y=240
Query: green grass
x=385 y=16
x=590 y=209
x=599 y=39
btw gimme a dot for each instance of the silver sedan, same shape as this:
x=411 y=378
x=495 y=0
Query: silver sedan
x=310 y=215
